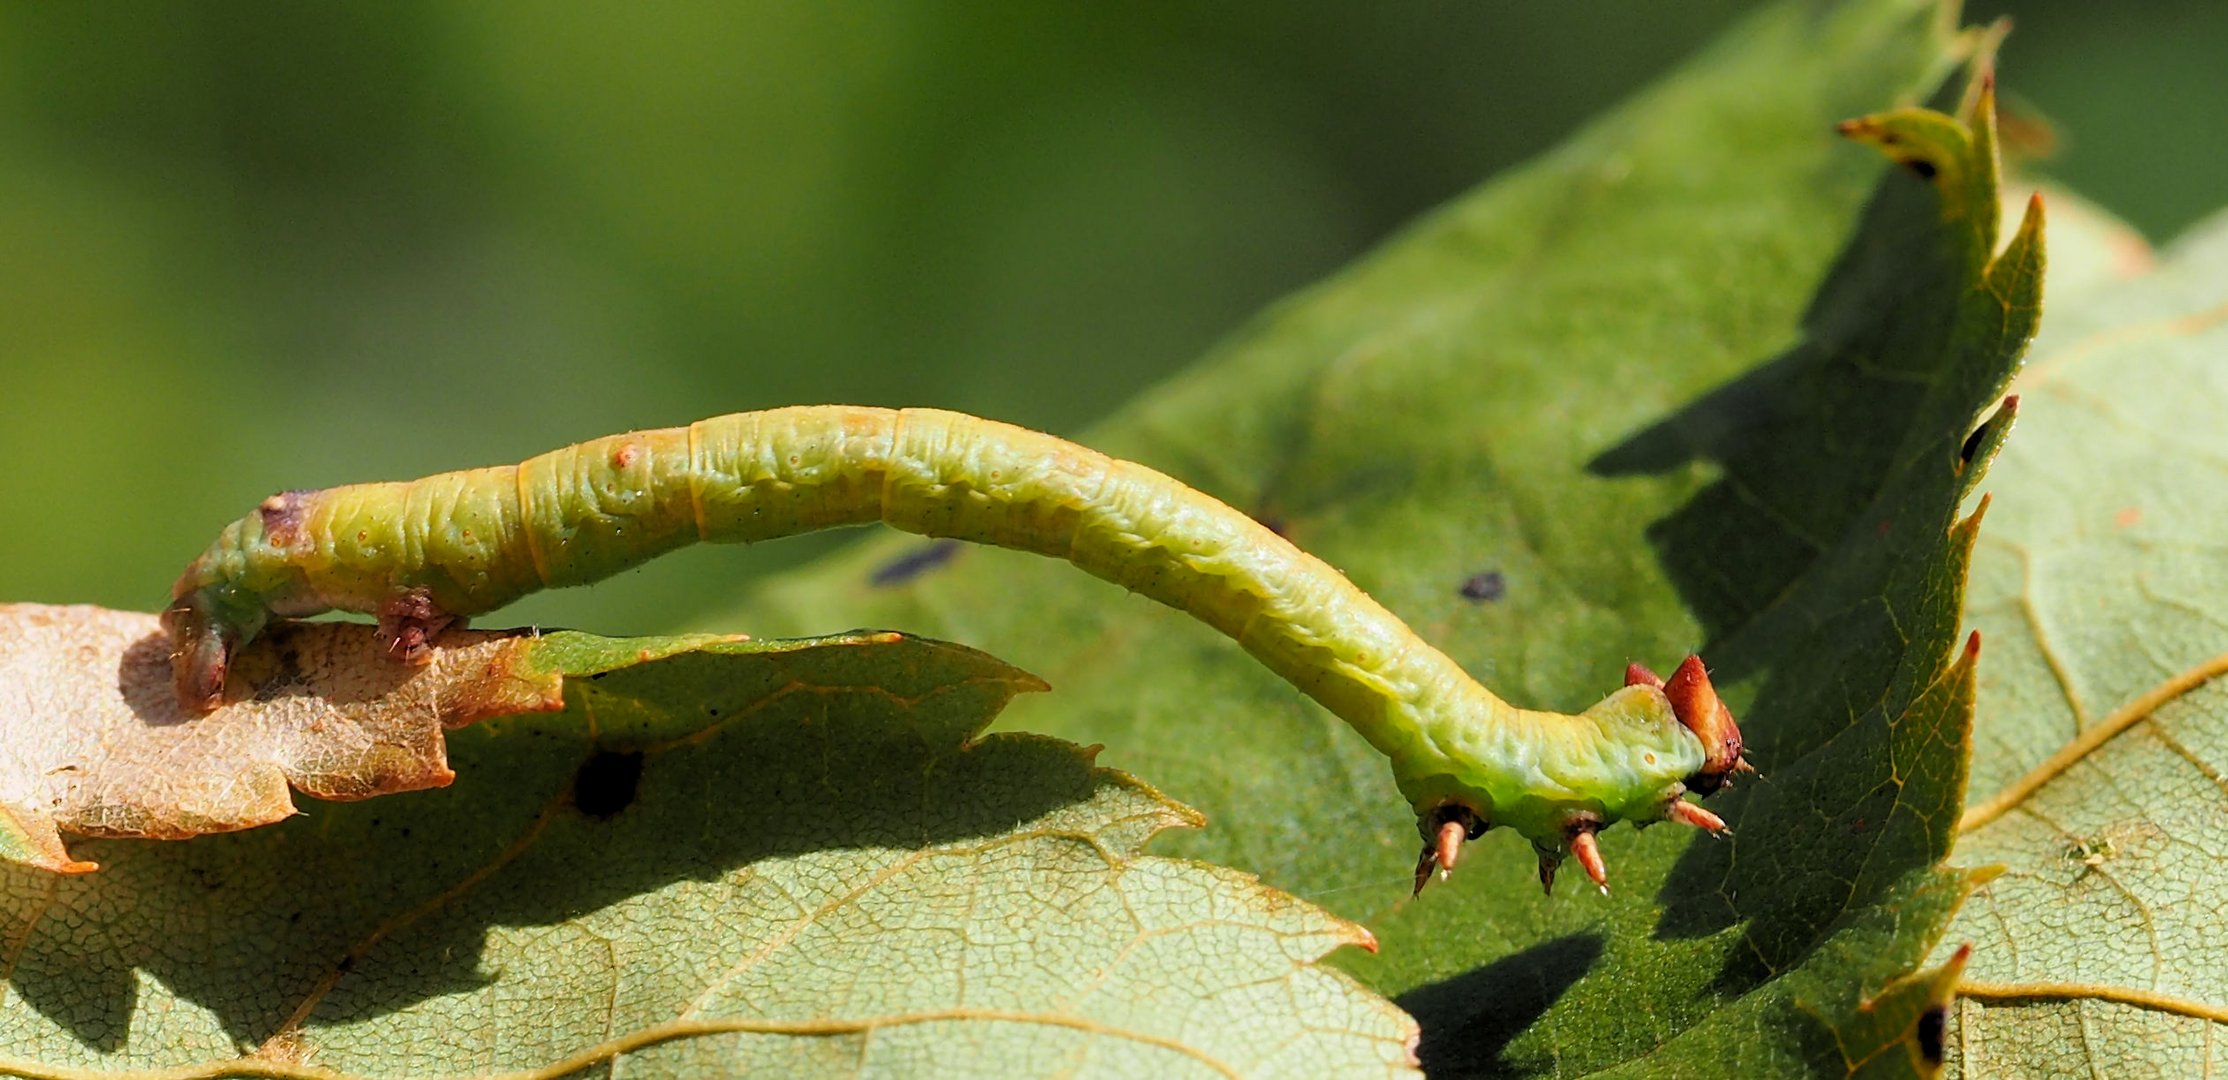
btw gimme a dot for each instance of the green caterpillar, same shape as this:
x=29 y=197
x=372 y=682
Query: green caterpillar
x=423 y=555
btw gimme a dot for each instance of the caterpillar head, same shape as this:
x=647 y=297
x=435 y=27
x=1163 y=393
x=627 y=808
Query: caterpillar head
x=1562 y=831
x=1696 y=704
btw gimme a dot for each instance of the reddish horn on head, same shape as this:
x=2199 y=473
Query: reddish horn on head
x=1695 y=702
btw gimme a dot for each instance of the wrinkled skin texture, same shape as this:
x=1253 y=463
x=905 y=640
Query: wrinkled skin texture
x=427 y=554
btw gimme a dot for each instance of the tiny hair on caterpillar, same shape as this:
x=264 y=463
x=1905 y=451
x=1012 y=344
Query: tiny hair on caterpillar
x=426 y=554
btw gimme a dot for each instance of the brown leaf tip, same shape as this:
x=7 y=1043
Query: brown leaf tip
x=1366 y=940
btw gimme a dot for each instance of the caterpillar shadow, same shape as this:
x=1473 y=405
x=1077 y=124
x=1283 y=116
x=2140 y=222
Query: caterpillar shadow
x=764 y=799
x=1469 y=1020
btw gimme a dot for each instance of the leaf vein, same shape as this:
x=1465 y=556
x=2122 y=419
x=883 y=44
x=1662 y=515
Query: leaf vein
x=2082 y=745
x=2012 y=992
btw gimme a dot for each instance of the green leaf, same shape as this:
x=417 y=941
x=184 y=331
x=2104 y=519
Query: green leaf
x=1701 y=378
x=787 y=856
x=2102 y=743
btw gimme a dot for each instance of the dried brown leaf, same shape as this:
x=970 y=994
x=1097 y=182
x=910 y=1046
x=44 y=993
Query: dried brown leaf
x=92 y=740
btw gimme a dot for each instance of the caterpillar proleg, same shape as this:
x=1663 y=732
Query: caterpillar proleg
x=425 y=554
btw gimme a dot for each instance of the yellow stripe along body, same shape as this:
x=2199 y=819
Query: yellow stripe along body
x=478 y=539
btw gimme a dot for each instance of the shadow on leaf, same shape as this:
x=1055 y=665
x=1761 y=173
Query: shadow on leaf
x=786 y=789
x=1827 y=564
x=1469 y=1020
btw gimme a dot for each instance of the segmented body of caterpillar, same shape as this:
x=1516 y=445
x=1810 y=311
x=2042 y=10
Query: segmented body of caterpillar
x=426 y=553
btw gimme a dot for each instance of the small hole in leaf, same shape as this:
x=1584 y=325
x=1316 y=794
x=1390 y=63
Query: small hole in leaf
x=1931 y=1023
x=1972 y=445
x=606 y=783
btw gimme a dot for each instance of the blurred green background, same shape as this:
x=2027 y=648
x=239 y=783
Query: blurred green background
x=254 y=246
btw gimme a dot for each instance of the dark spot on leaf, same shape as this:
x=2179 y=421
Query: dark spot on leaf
x=1921 y=166
x=1972 y=445
x=1485 y=588
x=606 y=783
x=914 y=563
x=1931 y=1023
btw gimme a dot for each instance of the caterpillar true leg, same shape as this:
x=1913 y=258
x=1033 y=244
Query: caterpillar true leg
x=1456 y=823
x=1686 y=813
x=425 y=554
x=1587 y=850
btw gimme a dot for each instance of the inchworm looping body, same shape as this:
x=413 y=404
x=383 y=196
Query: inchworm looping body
x=424 y=554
